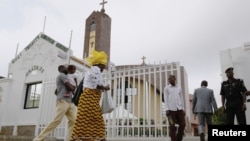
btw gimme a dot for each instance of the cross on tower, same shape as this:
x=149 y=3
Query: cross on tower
x=102 y=3
x=92 y=43
x=143 y=60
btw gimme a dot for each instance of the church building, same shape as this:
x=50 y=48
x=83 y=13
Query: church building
x=27 y=94
x=31 y=78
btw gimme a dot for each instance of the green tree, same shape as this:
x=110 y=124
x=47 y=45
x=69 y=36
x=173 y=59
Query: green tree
x=219 y=118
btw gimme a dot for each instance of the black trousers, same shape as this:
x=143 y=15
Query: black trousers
x=235 y=110
x=179 y=118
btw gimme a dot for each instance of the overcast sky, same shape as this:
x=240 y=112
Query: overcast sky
x=192 y=32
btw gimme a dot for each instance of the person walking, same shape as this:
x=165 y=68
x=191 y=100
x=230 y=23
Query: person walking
x=90 y=125
x=204 y=104
x=64 y=106
x=233 y=97
x=174 y=103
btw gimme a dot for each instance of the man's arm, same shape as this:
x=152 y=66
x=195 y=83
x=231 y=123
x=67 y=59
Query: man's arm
x=66 y=82
x=214 y=103
x=194 y=102
x=244 y=107
x=69 y=86
x=223 y=98
x=247 y=93
x=223 y=101
x=244 y=93
x=182 y=99
x=75 y=79
x=166 y=100
x=244 y=96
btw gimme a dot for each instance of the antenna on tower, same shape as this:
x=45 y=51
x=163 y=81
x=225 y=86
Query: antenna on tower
x=70 y=44
x=44 y=24
x=17 y=49
x=70 y=38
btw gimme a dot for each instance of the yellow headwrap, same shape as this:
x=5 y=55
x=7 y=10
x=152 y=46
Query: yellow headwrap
x=97 y=57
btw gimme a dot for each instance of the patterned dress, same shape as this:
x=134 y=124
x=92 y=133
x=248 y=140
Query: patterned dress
x=89 y=125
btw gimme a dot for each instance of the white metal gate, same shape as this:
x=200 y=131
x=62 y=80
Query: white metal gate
x=138 y=95
x=137 y=92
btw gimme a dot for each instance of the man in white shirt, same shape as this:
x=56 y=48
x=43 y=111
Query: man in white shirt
x=174 y=102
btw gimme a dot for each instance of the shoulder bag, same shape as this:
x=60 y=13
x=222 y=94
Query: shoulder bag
x=77 y=93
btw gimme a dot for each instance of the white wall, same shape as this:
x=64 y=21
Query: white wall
x=239 y=59
x=39 y=61
x=4 y=89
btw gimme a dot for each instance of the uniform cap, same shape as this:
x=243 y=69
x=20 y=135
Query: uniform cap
x=228 y=69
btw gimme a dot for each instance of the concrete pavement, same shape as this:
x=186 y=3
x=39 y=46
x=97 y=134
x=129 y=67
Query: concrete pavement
x=191 y=138
x=28 y=138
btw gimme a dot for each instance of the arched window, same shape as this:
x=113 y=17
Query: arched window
x=93 y=26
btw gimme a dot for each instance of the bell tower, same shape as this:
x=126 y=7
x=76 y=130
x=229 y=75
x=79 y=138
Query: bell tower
x=97 y=32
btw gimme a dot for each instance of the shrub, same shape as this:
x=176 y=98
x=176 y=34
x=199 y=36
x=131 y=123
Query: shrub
x=219 y=118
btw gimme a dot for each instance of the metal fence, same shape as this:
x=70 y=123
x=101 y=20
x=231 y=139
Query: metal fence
x=137 y=92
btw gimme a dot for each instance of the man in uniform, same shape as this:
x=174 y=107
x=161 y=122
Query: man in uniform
x=233 y=97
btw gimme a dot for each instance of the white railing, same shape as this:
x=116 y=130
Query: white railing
x=137 y=93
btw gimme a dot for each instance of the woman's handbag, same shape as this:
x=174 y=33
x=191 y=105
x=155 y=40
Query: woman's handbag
x=78 y=93
x=107 y=103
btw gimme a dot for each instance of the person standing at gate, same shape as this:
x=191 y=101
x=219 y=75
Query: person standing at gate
x=90 y=125
x=203 y=105
x=174 y=103
x=64 y=105
x=233 y=97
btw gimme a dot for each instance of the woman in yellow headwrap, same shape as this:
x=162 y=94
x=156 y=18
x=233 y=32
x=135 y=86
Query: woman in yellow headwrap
x=89 y=125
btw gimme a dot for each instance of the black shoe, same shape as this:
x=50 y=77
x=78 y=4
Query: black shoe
x=202 y=137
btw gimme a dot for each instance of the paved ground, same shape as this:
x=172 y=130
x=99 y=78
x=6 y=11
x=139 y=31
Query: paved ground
x=191 y=139
x=124 y=139
x=167 y=139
